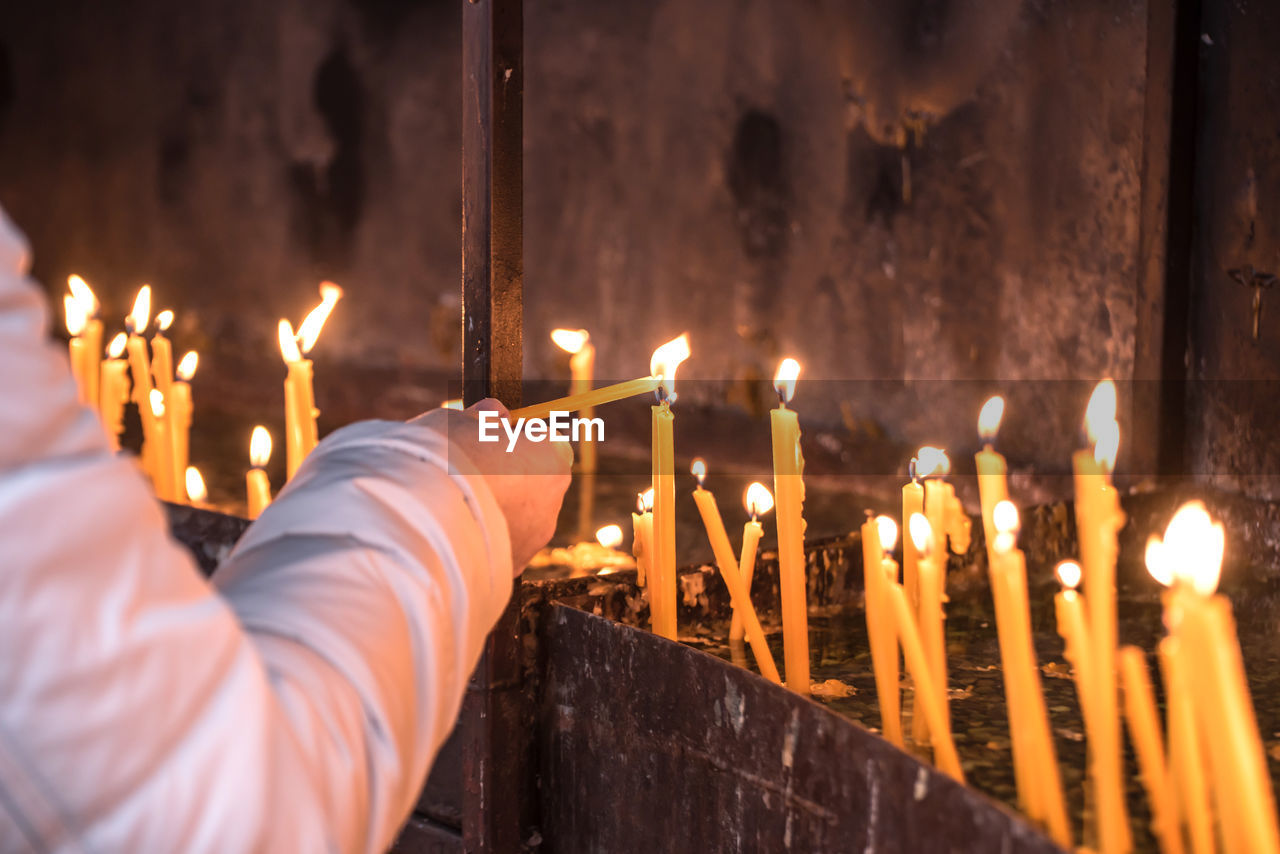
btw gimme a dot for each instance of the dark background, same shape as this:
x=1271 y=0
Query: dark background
x=931 y=190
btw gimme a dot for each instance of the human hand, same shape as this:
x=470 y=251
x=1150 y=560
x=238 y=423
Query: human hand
x=528 y=483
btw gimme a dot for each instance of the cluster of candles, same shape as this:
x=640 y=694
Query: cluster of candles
x=1212 y=733
x=162 y=392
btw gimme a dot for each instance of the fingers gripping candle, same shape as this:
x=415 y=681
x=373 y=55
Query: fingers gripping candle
x=788 y=490
x=662 y=583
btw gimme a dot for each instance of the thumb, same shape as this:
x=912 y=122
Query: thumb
x=490 y=404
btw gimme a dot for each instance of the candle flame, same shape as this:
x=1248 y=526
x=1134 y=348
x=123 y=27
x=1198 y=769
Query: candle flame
x=309 y=331
x=699 y=469
x=1101 y=409
x=1069 y=574
x=259 y=447
x=141 y=313
x=757 y=499
x=288 y=343
x=196 y=492
x=76 y=315
x=1004 y=517
x=187 y=367
x=921 y=532
x=887 y=528
x=784 y=381
x=164 y=320
x=116 y=348
x=610 y=536
x=1192 y=548
x=1158 y=562
x=664 y=362
x=570 y=340
x=1107 y=445
x=84 y=294
x=989 y=418
x=932 y=462
x=157 y=402
x=644 y=501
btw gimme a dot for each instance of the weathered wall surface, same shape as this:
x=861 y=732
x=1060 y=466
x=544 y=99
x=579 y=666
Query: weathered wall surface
x=719 y=167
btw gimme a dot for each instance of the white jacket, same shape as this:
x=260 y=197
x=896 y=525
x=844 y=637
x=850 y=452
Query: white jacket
x=296 y=703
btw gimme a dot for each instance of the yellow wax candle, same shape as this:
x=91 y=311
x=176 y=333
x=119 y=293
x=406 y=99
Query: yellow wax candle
x=757 y=500
x=992 y=469
x=662 y=567
x=1030 y=732
x=1186 y=753
x=162 y=354
x=257 y=484
x=76 y=319
x=595 y=397
x=1098 y=520
x=928 y=699
x=166 y=479
x=642 y=534
x=719 y=538
x=912 y=503
x=299 y=411
x=90 y=336
x=114 y=389
x=878 y=538
x=1203 y=625
x=178 y=408
x=1144 y=730
x=582 y=358
x=140 y=368
x=788 y=490
x=932 y=631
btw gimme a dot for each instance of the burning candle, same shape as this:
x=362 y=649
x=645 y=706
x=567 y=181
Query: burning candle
x=788 y=490
x=162 y=355
x=90 y=334
x=114 y=389
x=257 y=484
x=1035 y=757
x=928 y=701
x=197 y=494
x=75 y=320
x=1202 y=622
x=301 y=433
x=609 y=536
x=1098 y=520
x=738 y=595
x=641 y=538
x=1144 y=730
x=992 y=469
x=178 y=406
x=662 y=566
x=941 y=507
x=582 y=359
x=140 y=368
x=757 y=500
x=876 y=532
x=930 y=618
x=166 y=478
x=912 y=503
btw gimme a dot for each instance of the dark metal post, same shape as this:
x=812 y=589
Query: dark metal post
x=494 y=735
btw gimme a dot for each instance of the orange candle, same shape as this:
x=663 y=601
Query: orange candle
x=166 y=478
x=178 y=409
x=257 y=484
x=1186 y=749
x=75 y=320
x=879 y=535
x=662 y=567
x=1144 y=730
x=642 y=534
x=1098 y=520
x=162 y=354
x=912 y=503
x=114 y=389
x=788 y=491
x=90 y=335
x=757 y=500
x=140 y=368
x=930 y=620
x=738 y=596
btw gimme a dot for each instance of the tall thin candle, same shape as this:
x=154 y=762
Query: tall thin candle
x=662 y=583
x=788 y=490
x=878 y=532
x=757 y=500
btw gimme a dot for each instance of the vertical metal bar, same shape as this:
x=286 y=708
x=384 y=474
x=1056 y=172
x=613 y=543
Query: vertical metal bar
x=495 y=800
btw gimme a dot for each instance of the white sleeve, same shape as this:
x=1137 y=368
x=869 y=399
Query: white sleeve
x=297 y=706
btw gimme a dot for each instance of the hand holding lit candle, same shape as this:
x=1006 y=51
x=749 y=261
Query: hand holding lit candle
x=257 y=484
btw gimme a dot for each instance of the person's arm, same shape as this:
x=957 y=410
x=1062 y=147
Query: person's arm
x=298 y=711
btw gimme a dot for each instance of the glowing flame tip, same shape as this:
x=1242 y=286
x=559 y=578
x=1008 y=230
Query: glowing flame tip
x=187 y=367
x=757 y=499
x=259 y=447
x=932 y=462
x=887 y=528
x=610 y=536
x=288 y=343
x=570 y=340
x=196 y=491
x=164 y=320
x=784 y=381
x=921 y=532
x=140 y=315
x=116 y=348
x=666 y=360
x=989 y=418
x=1069 y=574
